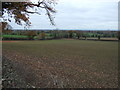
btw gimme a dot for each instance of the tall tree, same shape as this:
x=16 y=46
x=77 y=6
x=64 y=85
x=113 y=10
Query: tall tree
x=20 y=10
x=70 y=33
x=118 y=35
x=5 y=28
x=31 y=34
x=78 y=34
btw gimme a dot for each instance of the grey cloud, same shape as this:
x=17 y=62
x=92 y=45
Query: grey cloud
x=83 y=16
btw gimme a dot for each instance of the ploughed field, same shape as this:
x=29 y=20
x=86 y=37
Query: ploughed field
x=60 y=64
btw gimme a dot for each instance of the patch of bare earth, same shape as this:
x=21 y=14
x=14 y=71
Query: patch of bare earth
x=37 y=73
x=34 y=71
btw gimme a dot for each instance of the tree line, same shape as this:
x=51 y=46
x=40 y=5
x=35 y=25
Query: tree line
x=57 y=34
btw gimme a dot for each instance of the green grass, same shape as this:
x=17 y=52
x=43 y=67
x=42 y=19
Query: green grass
x=14 y=36
x=80 y=63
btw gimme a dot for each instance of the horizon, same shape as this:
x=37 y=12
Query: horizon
x=67 y=29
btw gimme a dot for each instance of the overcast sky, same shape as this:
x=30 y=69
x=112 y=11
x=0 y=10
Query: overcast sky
x=79 y=14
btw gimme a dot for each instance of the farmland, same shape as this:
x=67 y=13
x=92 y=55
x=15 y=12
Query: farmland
x=64 y=63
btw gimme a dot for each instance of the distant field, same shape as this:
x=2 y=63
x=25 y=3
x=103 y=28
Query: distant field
x=14 y=36
x=65 y=63
x=103 y=38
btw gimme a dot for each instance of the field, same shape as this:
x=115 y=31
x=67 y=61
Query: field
x=63 y=63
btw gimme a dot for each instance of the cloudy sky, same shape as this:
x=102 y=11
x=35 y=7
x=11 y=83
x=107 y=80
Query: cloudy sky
x=79 y=14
